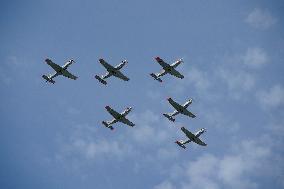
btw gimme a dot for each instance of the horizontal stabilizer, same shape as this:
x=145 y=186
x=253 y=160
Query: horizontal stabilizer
x=155 y=77
x=169 y=117
x=100 y=79
x=48 y=79
x=107 y=125
x=180 y=144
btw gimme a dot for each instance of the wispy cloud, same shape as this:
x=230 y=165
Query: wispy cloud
x=195 y=78
x=150 y=133
x=271 y=98
x=255 y=57
x=165 y=185
x=260 y=19
x=237 y=81
x=239 y=168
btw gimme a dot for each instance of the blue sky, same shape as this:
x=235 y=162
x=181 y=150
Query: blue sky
x=52 y=137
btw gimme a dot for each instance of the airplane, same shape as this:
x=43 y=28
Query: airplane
x=60 y=70
x=191 y=137
x=118 y=117
x=167 y=68
x=111 y=71
x=179 y=109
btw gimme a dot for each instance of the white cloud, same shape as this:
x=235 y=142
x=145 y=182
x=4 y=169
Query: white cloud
x=148 y=134
x=194 y=78
x=235 y=74
x=255 y=57
x=165 y=185
x=145 y=132
x=272 y=98
x=241 y=168
x=238 y=81
x=260 y=19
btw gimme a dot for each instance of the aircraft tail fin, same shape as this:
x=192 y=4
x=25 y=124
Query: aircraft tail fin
x=156 y=77
x=180 y=143
x=169 y=117
x=48 y=79
x=100 y=79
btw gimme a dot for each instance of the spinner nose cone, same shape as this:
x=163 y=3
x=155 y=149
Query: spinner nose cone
x=107 y=107
x=157 y=58
x=169 y=98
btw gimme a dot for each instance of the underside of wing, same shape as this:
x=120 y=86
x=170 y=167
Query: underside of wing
x=189 y=134
x=106 y=65
x=162 y=62
x=188 y=113
x=174 y=103
x=198 y=141
x=114 y=113
x=69 y=75
x=176 y=74
x=127 y=122
x=56 y=67
x=120 y=75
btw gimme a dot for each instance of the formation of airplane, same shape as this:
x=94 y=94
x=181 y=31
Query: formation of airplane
x=118 y=117
x=59 y=70
x=179 y=109
x=121 y=117
x=167 y=68
x=191 y=137
x=111 y=71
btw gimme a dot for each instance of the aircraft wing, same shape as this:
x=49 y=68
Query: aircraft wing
x=174 y=104
x=127 y=122
x=189 y=134
x=198 y=141
x=69 y=75
x=192 y=137
x=161 y=62
x=56 y=67
x=106 y=65
x=120 y=75
x=188 y=113
x=114 y=113
x=176 y=74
